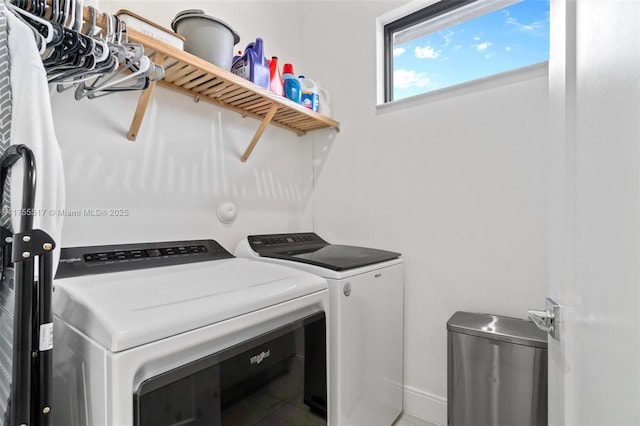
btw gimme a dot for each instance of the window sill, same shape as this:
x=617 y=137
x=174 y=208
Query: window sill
x=540 y=69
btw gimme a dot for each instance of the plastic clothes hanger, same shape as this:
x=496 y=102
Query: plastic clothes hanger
x=55 y=11
x=75 y=47
x=66 y=12
x=107 y=66
x=143 y=73
x=144 y=69
x=66 y=51
x=39 y=7
x=155 y=73
x=43 y=7
x=39 y=23
x=99 y=62
x=103 y=47
x=104 y=62
x=41 y=43
x=82 y=58
x=78 y=16
x=87 y=60
x=35 y=22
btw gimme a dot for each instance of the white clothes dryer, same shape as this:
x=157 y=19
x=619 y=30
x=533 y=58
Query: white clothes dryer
x=365 y=334
x=183 y=333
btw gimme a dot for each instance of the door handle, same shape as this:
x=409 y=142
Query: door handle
x=547 y=320
x=542 y=319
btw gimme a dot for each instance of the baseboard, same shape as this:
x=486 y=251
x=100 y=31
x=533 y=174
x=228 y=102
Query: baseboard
x=426 y=406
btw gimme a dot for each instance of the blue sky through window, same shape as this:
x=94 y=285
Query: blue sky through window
x=503 y=40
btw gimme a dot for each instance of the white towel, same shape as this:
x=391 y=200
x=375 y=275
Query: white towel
x=32 y=125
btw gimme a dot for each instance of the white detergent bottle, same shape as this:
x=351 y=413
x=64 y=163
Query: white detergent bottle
x=324 y=102
x=310 y=95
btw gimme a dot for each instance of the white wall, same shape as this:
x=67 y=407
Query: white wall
x=457 y=184
x=186 y=159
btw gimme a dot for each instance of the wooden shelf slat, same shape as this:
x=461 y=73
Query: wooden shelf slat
x=199 y=81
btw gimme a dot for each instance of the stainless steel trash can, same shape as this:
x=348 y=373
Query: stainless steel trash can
x=496 y=371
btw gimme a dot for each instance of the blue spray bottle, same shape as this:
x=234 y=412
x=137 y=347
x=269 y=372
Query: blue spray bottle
x=292 y=88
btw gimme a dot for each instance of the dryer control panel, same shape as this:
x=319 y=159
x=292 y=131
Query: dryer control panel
x=91 y=260
x=285 y=243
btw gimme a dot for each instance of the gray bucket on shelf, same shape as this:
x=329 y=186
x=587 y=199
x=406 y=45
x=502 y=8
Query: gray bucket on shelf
x=206 y=37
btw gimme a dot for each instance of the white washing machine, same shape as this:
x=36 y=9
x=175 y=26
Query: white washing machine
x=183 y=333
x=366 y=288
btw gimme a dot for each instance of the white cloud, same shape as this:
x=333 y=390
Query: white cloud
x=426 y=52
x=404 y=79
x=489 y=55
x=457 y=46
x=448 y=37
x=483 y=46
x=398 y=51
x=534 y=27
x=508 y=48
x=476 y=38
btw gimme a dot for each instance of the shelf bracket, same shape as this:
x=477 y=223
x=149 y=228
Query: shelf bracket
x=141 y=109
x=259 y=132
x=143 y=102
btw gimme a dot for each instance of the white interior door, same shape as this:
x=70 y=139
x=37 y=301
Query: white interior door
x=594 y=369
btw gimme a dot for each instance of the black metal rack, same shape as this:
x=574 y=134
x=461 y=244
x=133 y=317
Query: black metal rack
x=27 y=251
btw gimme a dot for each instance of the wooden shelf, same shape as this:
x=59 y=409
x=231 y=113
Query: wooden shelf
x=204 y=81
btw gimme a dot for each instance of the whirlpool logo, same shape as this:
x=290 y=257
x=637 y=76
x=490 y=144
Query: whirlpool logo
x=257 y=359
x=71 y=260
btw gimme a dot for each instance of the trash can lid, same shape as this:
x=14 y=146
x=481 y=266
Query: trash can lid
x=496 y=327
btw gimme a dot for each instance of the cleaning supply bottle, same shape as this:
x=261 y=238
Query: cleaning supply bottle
x=291 y=84
x=310 y=93
x=324 y=101
x=252 y=65
x=235 y=57
x=275 y=79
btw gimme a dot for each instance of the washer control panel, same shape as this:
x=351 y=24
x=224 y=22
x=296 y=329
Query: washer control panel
x=108 y=256
x=90 y=260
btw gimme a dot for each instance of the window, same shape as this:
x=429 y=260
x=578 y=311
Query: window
x=456 y=41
